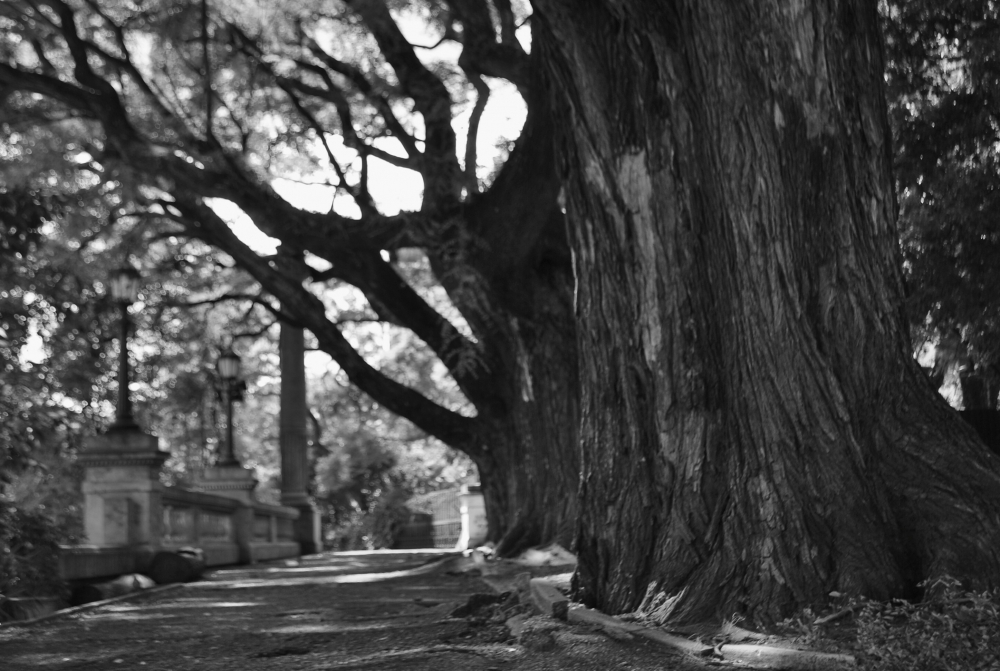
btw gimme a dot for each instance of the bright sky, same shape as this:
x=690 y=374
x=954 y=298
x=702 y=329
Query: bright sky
x=393 y=189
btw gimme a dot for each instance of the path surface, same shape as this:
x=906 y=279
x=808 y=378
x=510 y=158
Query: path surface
x=378 y=610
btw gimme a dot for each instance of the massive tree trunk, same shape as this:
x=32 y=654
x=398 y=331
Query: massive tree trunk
x=531 y=472
x=754 y=431
x=516 y=290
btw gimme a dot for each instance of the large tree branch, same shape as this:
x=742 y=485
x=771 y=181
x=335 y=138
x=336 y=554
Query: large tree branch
x=440 y=169
x=217 y=175
x=379 y=101
x=333 y=95
x=125 y=64
x=105 y=102
x=517 y=210
x=359 y=193
x=481 y=50
x=456 y=430
x=336 y=97
x=471 y=159
x=392 y=297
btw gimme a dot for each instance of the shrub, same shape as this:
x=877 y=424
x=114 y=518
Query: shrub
x=952 y=630
x=376 y=528
x=29 y=553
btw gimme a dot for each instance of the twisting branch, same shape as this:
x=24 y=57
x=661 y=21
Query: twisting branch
x=309 y=312
x=231 y=297
x=254 y=333
x=505 y=59
x=105 y=102
x=508 y=26
x=359 y=194
x=380 y=102
x=207 y=75
x=126 y=65
x=440 y=169
x=471 y=160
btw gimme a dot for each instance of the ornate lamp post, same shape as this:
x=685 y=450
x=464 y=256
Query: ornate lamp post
x=228 y=367
x=124 y=289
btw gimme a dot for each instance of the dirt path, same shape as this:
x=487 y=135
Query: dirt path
x=380 y=610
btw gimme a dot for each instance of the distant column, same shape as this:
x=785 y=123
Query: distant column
x=292 y=438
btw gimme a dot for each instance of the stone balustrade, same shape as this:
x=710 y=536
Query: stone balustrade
x=130 y=515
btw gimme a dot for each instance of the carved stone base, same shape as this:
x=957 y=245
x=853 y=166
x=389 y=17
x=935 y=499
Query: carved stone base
x=234 y=482
x=307 y=528
x=121 y=488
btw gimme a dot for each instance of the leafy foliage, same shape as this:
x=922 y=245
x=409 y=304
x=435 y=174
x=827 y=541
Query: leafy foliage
x=29 y=553
x=944 y=84
x=952 y=631
x=39 y=426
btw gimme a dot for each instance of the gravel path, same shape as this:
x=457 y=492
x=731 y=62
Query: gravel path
x=379 y=610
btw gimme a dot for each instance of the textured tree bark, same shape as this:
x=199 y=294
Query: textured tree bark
x=531 y=474
x=523 y=316
x=754 y=431
x=511 y=275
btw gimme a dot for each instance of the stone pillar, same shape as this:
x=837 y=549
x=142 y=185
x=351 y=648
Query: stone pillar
x=122 y=490
x=293 y=441
x=473 y=509
x=232 y=479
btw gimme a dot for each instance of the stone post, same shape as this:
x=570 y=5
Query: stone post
x=473 y=511
x=122 y=490
x=292 y=439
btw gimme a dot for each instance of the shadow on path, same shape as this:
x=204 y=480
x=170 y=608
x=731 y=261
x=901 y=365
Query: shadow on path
x=383 y=610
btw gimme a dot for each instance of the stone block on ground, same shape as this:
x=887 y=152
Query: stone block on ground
x=547 y=599
x=477 y=603
x=536 y=633
x=125 y=584
x=168 y=567
x=522 y=585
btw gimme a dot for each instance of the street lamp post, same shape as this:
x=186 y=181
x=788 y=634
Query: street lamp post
x=124 y=289
x=228 y=367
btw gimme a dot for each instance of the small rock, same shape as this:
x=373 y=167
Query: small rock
x=522 y=583
x=516 y=625
x=538 y=633
x=476 y=603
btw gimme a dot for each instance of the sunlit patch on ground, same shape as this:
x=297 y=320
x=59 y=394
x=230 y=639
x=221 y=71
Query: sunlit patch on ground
x=342 y=628
x=195 y=604
x=129 y=616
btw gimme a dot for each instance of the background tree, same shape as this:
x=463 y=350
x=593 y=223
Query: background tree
x=943 y=88
x=755 y=432
x=178 y=107
x=39 y=425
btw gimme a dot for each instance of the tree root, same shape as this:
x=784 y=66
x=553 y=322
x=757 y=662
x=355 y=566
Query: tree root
x=756 y=655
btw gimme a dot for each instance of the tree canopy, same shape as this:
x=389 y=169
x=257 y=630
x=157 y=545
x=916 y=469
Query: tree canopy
x=171 y=109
